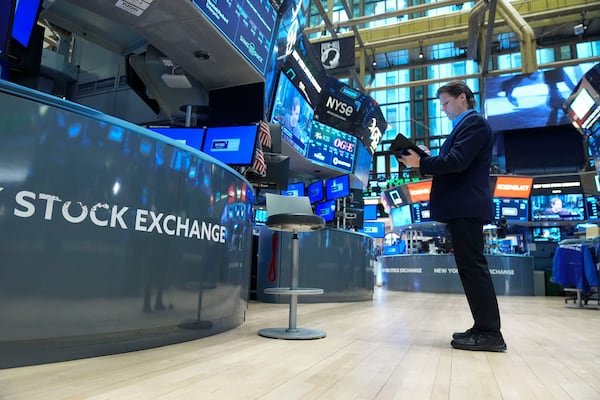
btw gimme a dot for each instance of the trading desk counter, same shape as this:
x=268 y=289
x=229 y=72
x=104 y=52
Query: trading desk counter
x=338 y=261
x=114 y=238
x=512 y=274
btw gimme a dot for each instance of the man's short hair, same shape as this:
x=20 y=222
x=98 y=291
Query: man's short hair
x=455 y=89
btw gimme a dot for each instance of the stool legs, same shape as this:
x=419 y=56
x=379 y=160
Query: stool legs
x=294 y=283
x=292 y=332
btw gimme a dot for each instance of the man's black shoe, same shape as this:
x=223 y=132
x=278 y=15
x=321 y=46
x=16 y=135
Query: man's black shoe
x=462 y=335
x=480 y=342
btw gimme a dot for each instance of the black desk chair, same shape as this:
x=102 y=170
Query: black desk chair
x=292 y=214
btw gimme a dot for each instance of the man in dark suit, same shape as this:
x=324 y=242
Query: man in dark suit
x=461 y=197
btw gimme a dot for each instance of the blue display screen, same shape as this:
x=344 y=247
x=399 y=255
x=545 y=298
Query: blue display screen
x=338 y=187
x=326 y=210
x=512 y=209
x=401 y=216
x=232 y=145
x=294 y=189
x=260 y=216
x=247 y=24
x=420 y=212
x=374 y=229
x=189 y=136
x=315 y=192
x=331 y=147
x=293 y=112
x=370 y=212
x=26 y=14
x=546 y=234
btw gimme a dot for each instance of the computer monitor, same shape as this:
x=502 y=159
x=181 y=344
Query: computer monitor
x=326 y=210
x=401 y=216
x=26 y=15
x=374 y=229
x=592 y=206
x=338 y=187
x=370 y=212
x=232 y=145
x=315 y=192
x=420 y=212
x=294 y=189
x=557 y=207
x=546 y=234
x=511 y=209
x=189 y=136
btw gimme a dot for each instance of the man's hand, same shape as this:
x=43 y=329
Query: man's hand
x=412 y=159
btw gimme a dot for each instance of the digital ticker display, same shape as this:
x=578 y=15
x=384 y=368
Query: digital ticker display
x=331 y=147
x=247 y=24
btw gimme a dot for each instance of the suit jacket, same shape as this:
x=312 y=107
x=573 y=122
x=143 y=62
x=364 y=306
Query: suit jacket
x=461 y=172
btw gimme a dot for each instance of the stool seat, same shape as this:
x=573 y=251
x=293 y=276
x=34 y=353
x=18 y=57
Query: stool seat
x=295 y=222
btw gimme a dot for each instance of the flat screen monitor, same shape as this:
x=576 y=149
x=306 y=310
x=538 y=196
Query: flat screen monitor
x=511 y=209
x=189 y=136
x=401 y=216
x=326 y=210
x=293 y=112
x=592 y=205
x=232 y=145
x=370 y=212
x=294 y=189
x=374 y=229
x=260 y=216
x=315 y=192
x=546 y=234
x=26 y=15
x=236 y=105
x=331 y=147
x=338 y=187
x=420 y=212
x=557 y=207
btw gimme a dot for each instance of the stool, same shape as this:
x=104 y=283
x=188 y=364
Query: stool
x=280 y=218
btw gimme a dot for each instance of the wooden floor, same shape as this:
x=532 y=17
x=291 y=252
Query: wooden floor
x=395 y=347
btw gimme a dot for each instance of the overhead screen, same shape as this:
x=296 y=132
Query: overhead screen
x=531 y=100
x=248 y=25
x=331 y=147
x=293 y=112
